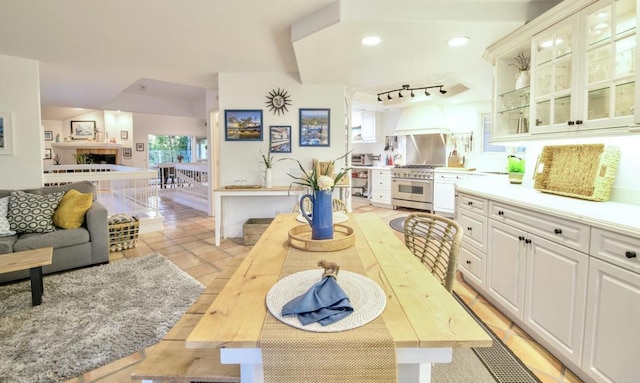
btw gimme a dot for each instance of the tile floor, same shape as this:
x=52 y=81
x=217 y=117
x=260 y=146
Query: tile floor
x=188 y=239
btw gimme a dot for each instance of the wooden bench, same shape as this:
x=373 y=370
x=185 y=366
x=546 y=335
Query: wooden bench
x=171 y=361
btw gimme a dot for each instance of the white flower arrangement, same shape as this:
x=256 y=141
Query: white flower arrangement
x=321 y=177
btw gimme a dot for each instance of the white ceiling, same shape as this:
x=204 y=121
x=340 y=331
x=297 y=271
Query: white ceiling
x=97 y=54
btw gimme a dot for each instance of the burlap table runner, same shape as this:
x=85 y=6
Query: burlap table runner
x=363 y=354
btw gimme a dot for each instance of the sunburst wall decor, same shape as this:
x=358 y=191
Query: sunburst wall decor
x=278 y=100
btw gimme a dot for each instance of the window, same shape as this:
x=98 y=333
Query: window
x=169 y=149
x=487 y=130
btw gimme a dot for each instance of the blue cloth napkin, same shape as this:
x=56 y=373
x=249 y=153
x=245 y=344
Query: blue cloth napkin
x=325 y=303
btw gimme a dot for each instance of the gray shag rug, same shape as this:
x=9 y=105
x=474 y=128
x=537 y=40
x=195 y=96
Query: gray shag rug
x=90 y=317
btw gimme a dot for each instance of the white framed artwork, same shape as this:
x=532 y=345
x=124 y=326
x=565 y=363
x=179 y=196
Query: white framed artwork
x=6 y=139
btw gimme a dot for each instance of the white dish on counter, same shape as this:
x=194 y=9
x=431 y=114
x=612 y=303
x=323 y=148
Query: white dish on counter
x=338 y=217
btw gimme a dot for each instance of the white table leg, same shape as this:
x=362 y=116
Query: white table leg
x=414 y=364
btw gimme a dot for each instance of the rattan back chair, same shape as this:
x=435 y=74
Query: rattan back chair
x=338 y=206
x=435 y=240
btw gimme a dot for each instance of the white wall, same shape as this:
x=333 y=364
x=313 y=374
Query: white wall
x=240 y=159
x=20 y=95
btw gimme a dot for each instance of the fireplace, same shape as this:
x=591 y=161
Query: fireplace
x=101 y=156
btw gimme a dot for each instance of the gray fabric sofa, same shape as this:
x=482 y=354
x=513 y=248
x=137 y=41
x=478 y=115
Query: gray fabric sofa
x=72 y=248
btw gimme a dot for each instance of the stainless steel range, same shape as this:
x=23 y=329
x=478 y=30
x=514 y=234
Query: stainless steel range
x=412 y=186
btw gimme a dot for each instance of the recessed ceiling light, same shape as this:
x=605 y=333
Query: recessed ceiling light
x=458 y=41
x=371 y=40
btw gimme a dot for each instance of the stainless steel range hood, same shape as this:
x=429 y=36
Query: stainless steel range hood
x=426 y=119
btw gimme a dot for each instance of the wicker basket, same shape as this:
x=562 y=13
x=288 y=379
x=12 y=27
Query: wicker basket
x=579 y=171
x=343 y=238
x=123 y=236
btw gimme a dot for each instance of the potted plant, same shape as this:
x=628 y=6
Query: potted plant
x=516 y=169
x=180 y=157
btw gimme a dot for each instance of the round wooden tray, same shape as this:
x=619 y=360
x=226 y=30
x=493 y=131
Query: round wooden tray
x=300 y=238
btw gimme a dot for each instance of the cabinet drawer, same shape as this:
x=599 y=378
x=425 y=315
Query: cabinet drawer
x=571 y=234
x=472 y=203
x=618 y=249
x=472 y=264
x=381 y=196
x=377 y=173
x=474 y=227
x=449 y=177
x=381 y=183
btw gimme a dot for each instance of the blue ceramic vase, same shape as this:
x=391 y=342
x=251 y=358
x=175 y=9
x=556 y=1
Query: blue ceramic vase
x=321 y=218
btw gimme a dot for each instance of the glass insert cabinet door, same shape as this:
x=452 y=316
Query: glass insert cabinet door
x=610 y=72
x=553 y=79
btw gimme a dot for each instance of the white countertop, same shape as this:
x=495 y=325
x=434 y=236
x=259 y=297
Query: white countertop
x=372 y=167
x=615 y=216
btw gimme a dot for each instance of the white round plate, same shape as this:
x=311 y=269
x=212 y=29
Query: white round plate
x=338 y=217
x=366 y=297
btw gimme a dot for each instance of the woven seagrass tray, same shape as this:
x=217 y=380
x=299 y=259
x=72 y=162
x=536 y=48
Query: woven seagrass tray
x=580 y=171
x=300 y=238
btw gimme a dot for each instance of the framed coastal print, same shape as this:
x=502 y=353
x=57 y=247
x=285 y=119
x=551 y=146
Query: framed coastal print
x=280 y=139
x=124 y=134
x=126 y=152
x=47 y=154
x=48 y=135
x=243 y=125
x=83 y=130
x=139 y=147
x=314 y=127
x=5 y=133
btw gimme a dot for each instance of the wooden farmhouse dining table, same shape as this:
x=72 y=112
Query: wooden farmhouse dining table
x=422 y=320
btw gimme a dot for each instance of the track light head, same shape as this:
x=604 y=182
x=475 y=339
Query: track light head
x=412 y=94
x=379 y=99
x=442 y=91
x=388 y=96
x=426 y=92
x=400 y=94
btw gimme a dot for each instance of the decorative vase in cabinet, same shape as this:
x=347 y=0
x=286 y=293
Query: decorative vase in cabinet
x=522 y=79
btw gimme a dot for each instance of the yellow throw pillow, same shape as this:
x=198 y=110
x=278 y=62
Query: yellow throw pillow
x=72 y=208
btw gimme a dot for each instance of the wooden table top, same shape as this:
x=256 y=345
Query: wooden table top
x=25 y=259
x=419 y=312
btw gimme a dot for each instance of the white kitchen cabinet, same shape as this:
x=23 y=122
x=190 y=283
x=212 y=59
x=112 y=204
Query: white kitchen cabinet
x=584 y=70
x=472 y=254
x=583 y=75
x=444 y=192
x=381 y=187
x=613 y=298
x=541 y=283
x=363 y=126
x=612 y=336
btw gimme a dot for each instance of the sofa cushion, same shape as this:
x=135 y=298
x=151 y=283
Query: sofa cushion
x=72 y=208
x=57 y=239
x=81 y=186
x=5 y=227
x=31 y=213
x=6 y=244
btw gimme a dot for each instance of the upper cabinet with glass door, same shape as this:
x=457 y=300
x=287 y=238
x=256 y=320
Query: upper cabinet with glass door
x=583 y=74
x=610 y=43
x=584 y=70
x=554 y=75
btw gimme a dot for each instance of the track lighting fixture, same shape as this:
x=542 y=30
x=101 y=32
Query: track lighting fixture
x=407 y=87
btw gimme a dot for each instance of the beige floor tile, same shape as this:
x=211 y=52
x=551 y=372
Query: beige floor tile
x=201 y=270
x=186 y=261
x=490 y=315
x=534 y=356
